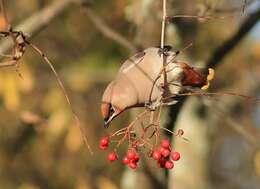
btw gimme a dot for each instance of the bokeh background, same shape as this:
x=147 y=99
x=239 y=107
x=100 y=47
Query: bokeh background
x=40 y=146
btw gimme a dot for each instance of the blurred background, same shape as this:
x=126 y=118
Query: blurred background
x=87 y=41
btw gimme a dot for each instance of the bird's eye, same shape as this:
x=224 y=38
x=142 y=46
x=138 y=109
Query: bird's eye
x=111 y=111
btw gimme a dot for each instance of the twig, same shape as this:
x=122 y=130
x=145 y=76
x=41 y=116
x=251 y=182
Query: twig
x=162 y=43
x=236 y=126
x=230 y=44
x=194 y=93
x=109 y=32
x=37 y=21
x=162 y=56
x=198 y=17
x=163 y=24
x=244 y=6
x=218 y=55
x=46 y=60
x=20 y=42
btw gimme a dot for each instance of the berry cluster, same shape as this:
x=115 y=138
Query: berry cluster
x=131 y=159
x=164 y=156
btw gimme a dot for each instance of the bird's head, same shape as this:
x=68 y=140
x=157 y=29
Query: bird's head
x=113 y=102
x=109 y=112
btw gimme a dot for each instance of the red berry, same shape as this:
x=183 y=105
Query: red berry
x=165 y=153
x=156 y=155
x=130 y=154
x=169 y=165
x=136 y=158
x=132 y=165
x=102 y=147
x=175 y=156
x=165 y=143
x=161 y=162
x=112 y=156
x=161 y=150
x=126 y=160
x=104 y=141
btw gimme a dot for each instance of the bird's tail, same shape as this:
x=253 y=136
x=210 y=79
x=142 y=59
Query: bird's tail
x=197 y=77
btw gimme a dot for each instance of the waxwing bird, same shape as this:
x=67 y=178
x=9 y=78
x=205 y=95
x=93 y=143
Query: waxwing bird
x=139 y=81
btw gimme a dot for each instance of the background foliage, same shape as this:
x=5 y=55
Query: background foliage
x=41 y=148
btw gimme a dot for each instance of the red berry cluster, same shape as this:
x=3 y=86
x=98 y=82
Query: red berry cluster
x=131 y=159
x=164 y=156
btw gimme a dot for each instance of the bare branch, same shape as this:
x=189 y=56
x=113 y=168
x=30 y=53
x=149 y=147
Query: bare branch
x=229 y=45
x=163 y=61
x=48 y=62
x=37 y=21
x=217 y=56
x=163 y=24
x=107 y=31
x=19 y=45
x=237 y=127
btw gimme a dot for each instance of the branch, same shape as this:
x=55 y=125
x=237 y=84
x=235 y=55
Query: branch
x=164 y=11
x=107 y=31
x=237 y=127
x=163 y=24
x=38 y=21
x=216 y=58
x=229 y=45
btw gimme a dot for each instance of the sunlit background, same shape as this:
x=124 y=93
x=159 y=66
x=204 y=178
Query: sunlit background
x=40 y=145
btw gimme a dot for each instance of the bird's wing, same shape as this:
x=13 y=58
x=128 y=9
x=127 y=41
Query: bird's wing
x=131 y=62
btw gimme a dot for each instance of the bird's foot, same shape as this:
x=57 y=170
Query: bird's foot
x=150 y=106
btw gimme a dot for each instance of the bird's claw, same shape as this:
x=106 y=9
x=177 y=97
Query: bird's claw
x=150 y=106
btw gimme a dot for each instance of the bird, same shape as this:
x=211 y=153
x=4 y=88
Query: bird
x=140 y=81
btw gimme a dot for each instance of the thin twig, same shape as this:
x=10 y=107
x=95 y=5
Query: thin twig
x=199 y=17
x=109 y=32
x=219 y=54
x=19 y=45
x=163 y=24
x=162 y=43
x=162 y=55
x=46 y=60
x=194 y=93
x=240 y=129
x=244 y=6
x=38 y=21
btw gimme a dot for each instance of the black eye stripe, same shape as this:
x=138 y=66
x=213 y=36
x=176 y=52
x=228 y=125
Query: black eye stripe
x=111 y=111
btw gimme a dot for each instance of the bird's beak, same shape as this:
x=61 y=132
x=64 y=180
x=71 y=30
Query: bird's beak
x=106 y=123
x=109 y=119
x=109 y=113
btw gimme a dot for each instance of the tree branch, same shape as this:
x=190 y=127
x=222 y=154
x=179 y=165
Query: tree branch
x=216 y=58
x=229 y=45
x=107 y=31
x=38 y=21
